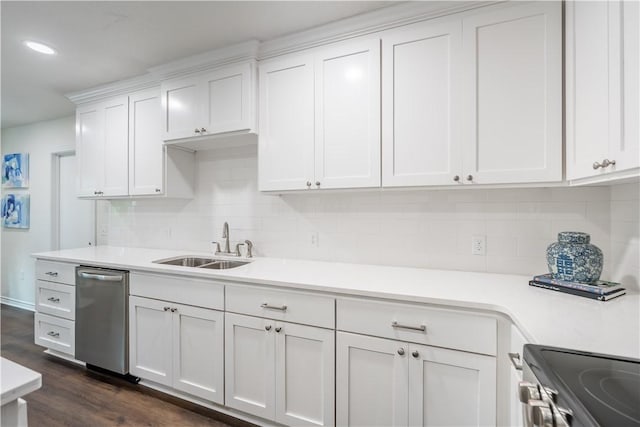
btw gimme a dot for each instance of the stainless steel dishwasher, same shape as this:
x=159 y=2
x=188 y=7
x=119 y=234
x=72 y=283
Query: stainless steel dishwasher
x=102 y=311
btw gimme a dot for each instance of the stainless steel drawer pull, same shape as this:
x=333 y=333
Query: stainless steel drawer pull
x=53 y=334
x=516 y=361
x=52 y=273
x=101 y=277
x=53 y=299
x=274 y=307
x=421 y=328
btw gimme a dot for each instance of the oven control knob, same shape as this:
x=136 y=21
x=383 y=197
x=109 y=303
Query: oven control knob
x=552 y=393
x=541 y=414
x=528 y=391
x=563 y=417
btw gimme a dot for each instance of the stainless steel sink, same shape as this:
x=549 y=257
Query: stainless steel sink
x=199 y=262
x=223 y=265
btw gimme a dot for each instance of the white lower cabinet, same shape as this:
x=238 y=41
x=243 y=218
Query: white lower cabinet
x=177 y=345
x=384 y=382
x=280 y=371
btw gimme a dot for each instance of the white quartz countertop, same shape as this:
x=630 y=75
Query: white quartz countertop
x=16 y=380
x=544 y=317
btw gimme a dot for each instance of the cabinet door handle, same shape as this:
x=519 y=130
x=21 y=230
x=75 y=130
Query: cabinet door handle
x=516 y=361
x=469 y=178
x=421 y=328
x=267 y=328
x=308 y=184
x=456 y=178
x=597 y=165
x=415 y=354
x=158 y=190
x=196 y=130
x=203 y=130
x=166 y=308
x=53 y=299
x=52 y=273
x=606 y=163
x=274 y=307
x=173 y=310
x=53 y=334
x=318 y=184
x=278 y=329
x=401 y=351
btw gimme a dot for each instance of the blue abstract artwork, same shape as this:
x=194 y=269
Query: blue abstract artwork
x=15 y=170
x=15 y=211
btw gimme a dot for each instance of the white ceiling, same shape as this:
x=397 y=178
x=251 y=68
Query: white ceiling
x=100 y=42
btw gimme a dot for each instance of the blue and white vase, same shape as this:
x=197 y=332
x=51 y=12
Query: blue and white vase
x=573 y=258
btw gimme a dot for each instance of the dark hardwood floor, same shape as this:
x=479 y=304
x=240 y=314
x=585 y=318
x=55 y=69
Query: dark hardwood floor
x=72 y=396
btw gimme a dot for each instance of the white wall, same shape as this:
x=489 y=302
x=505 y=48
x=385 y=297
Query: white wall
x=426 y=228
x=40 y=140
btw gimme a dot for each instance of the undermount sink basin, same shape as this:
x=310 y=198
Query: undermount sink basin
x=199 y=262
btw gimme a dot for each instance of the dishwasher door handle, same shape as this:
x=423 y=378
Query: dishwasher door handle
x=101 y=277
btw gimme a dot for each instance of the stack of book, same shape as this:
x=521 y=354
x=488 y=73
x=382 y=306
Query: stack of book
x=600 y=289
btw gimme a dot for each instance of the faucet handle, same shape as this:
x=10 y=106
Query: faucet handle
x=238 y=249
x=249 y=248
x=217 y=246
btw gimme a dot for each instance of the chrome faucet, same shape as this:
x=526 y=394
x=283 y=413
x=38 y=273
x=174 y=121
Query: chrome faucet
x=227 y=249
x=225 y=235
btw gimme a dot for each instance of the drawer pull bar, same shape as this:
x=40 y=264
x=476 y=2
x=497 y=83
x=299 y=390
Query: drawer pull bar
x=516 y=361
x=53 y=334
x=52 y=273
x=101 y=277
x=421 y=328
x=274 y=307
x=53 y=299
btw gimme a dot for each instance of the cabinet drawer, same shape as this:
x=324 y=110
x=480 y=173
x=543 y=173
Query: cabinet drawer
x=293 y=307
x=183 y=290
x=419 y=324
x=55 y=333
x=59 y=272
x=56 y=299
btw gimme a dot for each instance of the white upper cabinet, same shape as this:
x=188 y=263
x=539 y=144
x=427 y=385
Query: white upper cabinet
x=513 y=94
x=286 y=136
x=420 y=109
x=102 y=148
x=212 y=103
x=602 y=47
x=146 y=149
x=320 y=119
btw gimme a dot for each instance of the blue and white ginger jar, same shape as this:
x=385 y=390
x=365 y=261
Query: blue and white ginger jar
x=574 y=259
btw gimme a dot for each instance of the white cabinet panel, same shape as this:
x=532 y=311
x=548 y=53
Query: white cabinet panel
x=56 y=299
x=229 y=100
x=371 y=381
x=249 y=365
x=198 y=364
x=116 y=148
x=89 y=146
x=347 y=141
x=181 y=104
x=451 y=388
x=513 y=121
x=420 y=109
x=55 y=333
x=305 y=375
x=286 y=138
x=627 y=151
x=146 y=149
x=150 y=340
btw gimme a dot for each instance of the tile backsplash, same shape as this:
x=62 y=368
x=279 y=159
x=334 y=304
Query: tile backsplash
x=422 y=228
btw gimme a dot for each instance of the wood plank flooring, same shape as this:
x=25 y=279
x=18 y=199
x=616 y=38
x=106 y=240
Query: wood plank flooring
x=72 y=396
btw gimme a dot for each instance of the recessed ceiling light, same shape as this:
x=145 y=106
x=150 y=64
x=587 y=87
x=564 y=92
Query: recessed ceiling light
x=39 y=47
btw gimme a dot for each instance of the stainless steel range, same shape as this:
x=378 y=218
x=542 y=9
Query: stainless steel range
x=565 y=387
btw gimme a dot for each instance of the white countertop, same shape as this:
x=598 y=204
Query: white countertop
x=544 y=317
x=16 y=380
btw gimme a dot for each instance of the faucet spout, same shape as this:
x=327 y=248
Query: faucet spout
x=225 y=235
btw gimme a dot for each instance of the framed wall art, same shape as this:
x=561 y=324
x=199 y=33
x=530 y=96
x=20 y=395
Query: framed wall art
x=15 y=211
x=15 y=170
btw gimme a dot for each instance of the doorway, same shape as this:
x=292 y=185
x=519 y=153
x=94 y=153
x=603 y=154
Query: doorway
x=74 y=219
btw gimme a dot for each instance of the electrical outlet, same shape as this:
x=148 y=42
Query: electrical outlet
x=478 y=245
x=314 y=239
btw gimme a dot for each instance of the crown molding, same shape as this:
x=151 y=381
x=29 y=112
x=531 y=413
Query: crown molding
x=386 y=18
x=241 y=52
x=121 y=87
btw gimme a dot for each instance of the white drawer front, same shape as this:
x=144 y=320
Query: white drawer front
x=55 y=333
x=56 y=299
x=419 y=324
x=183 y=290
x=59 y=272
x=308 y=309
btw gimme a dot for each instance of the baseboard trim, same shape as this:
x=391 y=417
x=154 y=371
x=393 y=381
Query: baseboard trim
x=18 y=303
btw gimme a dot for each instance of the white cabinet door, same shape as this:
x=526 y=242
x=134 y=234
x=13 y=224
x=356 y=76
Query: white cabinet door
x=347 y=116
x=150 y=339
x=451 y=388
x=305 y=375
x=250 y=365
x=146 y=149
x=116 y=147
x=227 y=100
x=371 y=381
x=198 y=355
x=421 y=108
x=513 y=87
x=89 y=149
x=181 y=105
x=286 y=136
